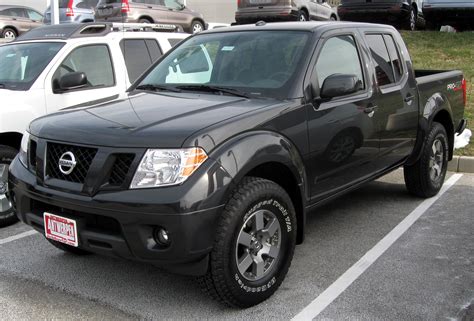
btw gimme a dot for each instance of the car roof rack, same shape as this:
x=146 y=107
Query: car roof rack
x=91 y=29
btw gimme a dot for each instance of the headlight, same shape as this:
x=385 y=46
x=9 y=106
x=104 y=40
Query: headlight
x=165 y=167
x=23 y=156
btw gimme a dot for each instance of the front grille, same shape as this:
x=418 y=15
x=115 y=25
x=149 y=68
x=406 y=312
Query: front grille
x=83 y=155
x=120 y=169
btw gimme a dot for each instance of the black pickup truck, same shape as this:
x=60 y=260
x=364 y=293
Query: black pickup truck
x=211 y=165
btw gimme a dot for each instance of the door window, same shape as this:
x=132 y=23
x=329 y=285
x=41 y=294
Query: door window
x=15 y=12
x=339 y=55
x=395 y=57
x=34 y=15
x=94 y=61
x=173 y=4
x=139 y=54
x=381 y=58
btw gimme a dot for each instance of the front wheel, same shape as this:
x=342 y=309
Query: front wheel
x=410 y=21
x=426 y=177
x=196 y=27
x=9 y=33
x=254 y=244
x=7 y=214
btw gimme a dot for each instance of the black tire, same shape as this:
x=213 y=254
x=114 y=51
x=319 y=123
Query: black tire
x=223 y=281
x=302 y=16
x=67 y=248
x=410 y=22
x=419 y=178
x=144 y=20
x=7 y=154
x=197 y=26
x=9 y=33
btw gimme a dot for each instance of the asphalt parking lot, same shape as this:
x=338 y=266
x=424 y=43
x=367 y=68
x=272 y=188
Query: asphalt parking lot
x=426 y=274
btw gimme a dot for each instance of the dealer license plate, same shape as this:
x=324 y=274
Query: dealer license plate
x=60 y=229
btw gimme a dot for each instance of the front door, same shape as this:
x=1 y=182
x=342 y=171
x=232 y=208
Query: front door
x=102 y=85
x=342 y=133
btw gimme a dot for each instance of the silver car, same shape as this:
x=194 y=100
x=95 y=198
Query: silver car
x=250 y=11
x=73 y=11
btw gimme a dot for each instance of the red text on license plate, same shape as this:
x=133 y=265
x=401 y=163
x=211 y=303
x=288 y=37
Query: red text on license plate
x=60 y=229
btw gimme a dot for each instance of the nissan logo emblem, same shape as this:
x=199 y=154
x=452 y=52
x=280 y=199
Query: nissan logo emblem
x=67 y=163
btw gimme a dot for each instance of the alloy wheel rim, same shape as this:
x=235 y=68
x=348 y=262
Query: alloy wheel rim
x=197 y=28
x=9 y=35
x=412 y=20
x=302 y=17
x=258 y=245
x=5 y=204
x=436 y=160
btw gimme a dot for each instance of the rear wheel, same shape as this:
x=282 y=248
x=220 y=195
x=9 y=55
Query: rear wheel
x=144 y=20
x=68 y=248
x=302 y=16
x=254 y=244
x=426 y=177
x=7 y=214
x=9 y=33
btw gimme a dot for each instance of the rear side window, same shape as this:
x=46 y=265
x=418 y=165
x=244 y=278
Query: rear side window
x=395 y=57
x=339 y=55
x=15 y=12
x=381 y=59
x=94 y=61
x=139 y=54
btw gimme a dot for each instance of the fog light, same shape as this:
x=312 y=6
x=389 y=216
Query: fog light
x=161 y=236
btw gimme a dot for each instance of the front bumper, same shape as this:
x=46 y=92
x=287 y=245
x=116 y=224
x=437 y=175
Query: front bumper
x=121 y=223
x=375 y=12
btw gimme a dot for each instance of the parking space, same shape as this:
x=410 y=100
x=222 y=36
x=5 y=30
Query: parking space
x=426 y=274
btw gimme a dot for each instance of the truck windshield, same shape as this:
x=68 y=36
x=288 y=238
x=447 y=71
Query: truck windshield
x=256 y=63
x=22 y=63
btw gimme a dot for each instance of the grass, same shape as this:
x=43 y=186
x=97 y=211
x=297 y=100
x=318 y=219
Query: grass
x=441 y=50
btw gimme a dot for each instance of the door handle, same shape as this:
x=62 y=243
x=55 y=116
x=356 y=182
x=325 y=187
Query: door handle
x=149 y=7
x=408 y=98
x=370 y=109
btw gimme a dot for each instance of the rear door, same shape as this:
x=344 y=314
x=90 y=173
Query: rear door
x=19 y=18
x=342 y=133
x=396 y=115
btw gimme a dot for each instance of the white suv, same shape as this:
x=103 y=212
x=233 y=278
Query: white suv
x=65 y=66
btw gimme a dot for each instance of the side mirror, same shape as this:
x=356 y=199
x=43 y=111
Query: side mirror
x=72 y=80
x=340 y=85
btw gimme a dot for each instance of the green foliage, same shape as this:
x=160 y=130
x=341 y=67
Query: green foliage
x=445 y=51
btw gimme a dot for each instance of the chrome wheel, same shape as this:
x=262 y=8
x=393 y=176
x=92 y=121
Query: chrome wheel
x=436 y=160
x=9 y=34
x=5 y=205
x=258 y=245
x=197 y=27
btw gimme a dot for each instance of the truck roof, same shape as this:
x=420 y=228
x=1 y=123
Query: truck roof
x=299 y=26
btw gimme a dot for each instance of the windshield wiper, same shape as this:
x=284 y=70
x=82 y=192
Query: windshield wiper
x=216 y=89
x=153 y=87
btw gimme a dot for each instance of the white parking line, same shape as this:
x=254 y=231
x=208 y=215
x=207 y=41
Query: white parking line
x=345 y=280
x=17 y=237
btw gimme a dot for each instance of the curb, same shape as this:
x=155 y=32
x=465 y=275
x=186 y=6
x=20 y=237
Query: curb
x=464 y=164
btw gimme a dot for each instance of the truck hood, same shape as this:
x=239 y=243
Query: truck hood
x=143 y=120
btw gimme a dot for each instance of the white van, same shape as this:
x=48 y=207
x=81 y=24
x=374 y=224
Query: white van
x=65 y=66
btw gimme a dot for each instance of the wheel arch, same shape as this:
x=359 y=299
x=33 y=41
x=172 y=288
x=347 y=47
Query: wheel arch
x=12 y=139
x=147 y=18
x=11 y=27
x=270 y=156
